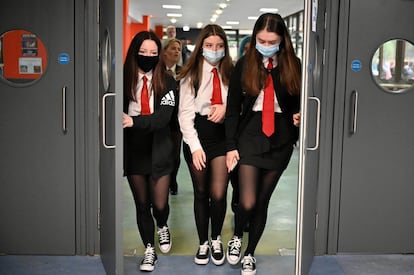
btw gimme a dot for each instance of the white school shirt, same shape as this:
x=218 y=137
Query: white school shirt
x=134 y=108
x=258 y=104
x=189 y=105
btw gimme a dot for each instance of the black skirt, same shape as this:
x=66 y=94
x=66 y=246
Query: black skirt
x=212 y=138
x=273 y=152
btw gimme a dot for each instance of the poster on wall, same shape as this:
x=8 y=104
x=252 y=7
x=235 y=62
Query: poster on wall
x=30 y=65
x=29 y=45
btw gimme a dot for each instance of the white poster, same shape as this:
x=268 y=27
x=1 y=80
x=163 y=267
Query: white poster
x=30 y=65
x=314 y=14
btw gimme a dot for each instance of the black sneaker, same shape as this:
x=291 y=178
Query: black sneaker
x=202 y=255
x=149 y=260
x=248 y=265
x=217 y=254
x=233 y=250
x=164 y=239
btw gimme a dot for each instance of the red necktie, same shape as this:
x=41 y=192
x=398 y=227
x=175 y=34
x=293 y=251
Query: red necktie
x=268 y=112
x=216 y=98
x=145 y=108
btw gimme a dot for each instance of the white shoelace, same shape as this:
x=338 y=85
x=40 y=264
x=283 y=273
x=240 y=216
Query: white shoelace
x=149 y=256
x=248 y=262
x=204 y=249
x=235 y=246
x=164 y=236
x=216 y=245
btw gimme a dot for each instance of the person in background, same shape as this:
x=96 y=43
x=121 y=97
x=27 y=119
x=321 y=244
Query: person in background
x=171 y=32
x=244 y=45
x=171 y=55
x=203 y=93
x=149 y=102
x=262 y=120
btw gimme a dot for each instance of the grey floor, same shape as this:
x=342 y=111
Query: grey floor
x=174 y=265
x=275 y=252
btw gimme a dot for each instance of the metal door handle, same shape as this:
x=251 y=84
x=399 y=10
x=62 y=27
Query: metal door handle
x=354 y=112
x=318 y=122
x=64 y=129
x=104 y=121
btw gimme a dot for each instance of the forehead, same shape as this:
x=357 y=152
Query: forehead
x=149 y=44
x=213 y=39
x=268 y=36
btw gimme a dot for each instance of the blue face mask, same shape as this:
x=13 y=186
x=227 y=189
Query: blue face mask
x=267 y=51
x=213 y=57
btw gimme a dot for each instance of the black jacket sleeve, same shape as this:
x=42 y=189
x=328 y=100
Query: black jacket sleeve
x=164 y=108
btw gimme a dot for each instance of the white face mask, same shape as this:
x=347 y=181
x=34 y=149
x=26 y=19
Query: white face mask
x=267 y=51
x=213 y=57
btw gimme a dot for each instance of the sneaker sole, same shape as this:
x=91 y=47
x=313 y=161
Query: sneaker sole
x=165 y=250
x=218 y=262
x=248 y=272
x=201 y=261
x=147 y=267
x=232 y=262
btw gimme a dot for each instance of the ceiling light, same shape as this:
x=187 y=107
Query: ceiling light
x=219 y=11
x=232 y=22
x=227 y=27
x=186 y=28
x=173 y=20
x=173 y=7
x=174 y=15
x=212 y=19
x=252 y=17
x=199 y=25
x=269 y=10
x=215 y=16
x=223 y=5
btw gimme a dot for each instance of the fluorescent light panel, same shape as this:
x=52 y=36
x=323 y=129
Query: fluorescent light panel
x=174 y=15
x=173 y=7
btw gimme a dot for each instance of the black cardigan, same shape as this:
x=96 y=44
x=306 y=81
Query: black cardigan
x=240 y=105
x=158 y=123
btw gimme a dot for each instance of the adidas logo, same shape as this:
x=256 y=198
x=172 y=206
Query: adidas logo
x=168 y=99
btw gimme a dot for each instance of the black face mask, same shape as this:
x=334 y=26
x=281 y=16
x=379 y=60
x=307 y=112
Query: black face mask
x=147 y=63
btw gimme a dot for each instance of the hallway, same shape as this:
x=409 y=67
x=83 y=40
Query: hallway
x=278 y=238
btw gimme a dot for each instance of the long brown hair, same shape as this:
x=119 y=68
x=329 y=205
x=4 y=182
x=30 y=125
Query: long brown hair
x=289 y=66
x=131 y=66
x=194 y=65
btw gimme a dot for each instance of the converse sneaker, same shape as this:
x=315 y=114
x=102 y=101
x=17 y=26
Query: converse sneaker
x=233 y=250
x=248 y=265
x=202 y=254
x=217 y=254
x=164 y=239
x=149 y=260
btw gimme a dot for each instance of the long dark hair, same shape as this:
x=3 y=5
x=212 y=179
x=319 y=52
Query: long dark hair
x=194 y=65
x=288 y=63
x=131 y=66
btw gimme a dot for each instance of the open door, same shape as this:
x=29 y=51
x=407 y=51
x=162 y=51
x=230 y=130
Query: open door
x=309 y=138
x=110 y=91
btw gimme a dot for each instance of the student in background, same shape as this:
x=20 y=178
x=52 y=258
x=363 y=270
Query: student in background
x=171 y=55
x=201 y=112
x=262 y=120
x=149 y=102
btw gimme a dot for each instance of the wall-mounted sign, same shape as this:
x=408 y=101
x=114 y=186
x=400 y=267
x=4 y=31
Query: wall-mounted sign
x=63 y=58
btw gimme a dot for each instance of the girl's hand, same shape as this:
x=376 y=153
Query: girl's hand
x=217 y=113
x=232 y=157
x=127 y=121
x=296 y=119
x=199 y=159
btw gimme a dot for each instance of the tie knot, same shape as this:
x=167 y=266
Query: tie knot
x=270 y=64
x=144 y=78
x=214 y=70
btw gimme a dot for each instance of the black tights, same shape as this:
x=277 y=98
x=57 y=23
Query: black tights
x=148 y=193
x=210 y=197
x=256 y=187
